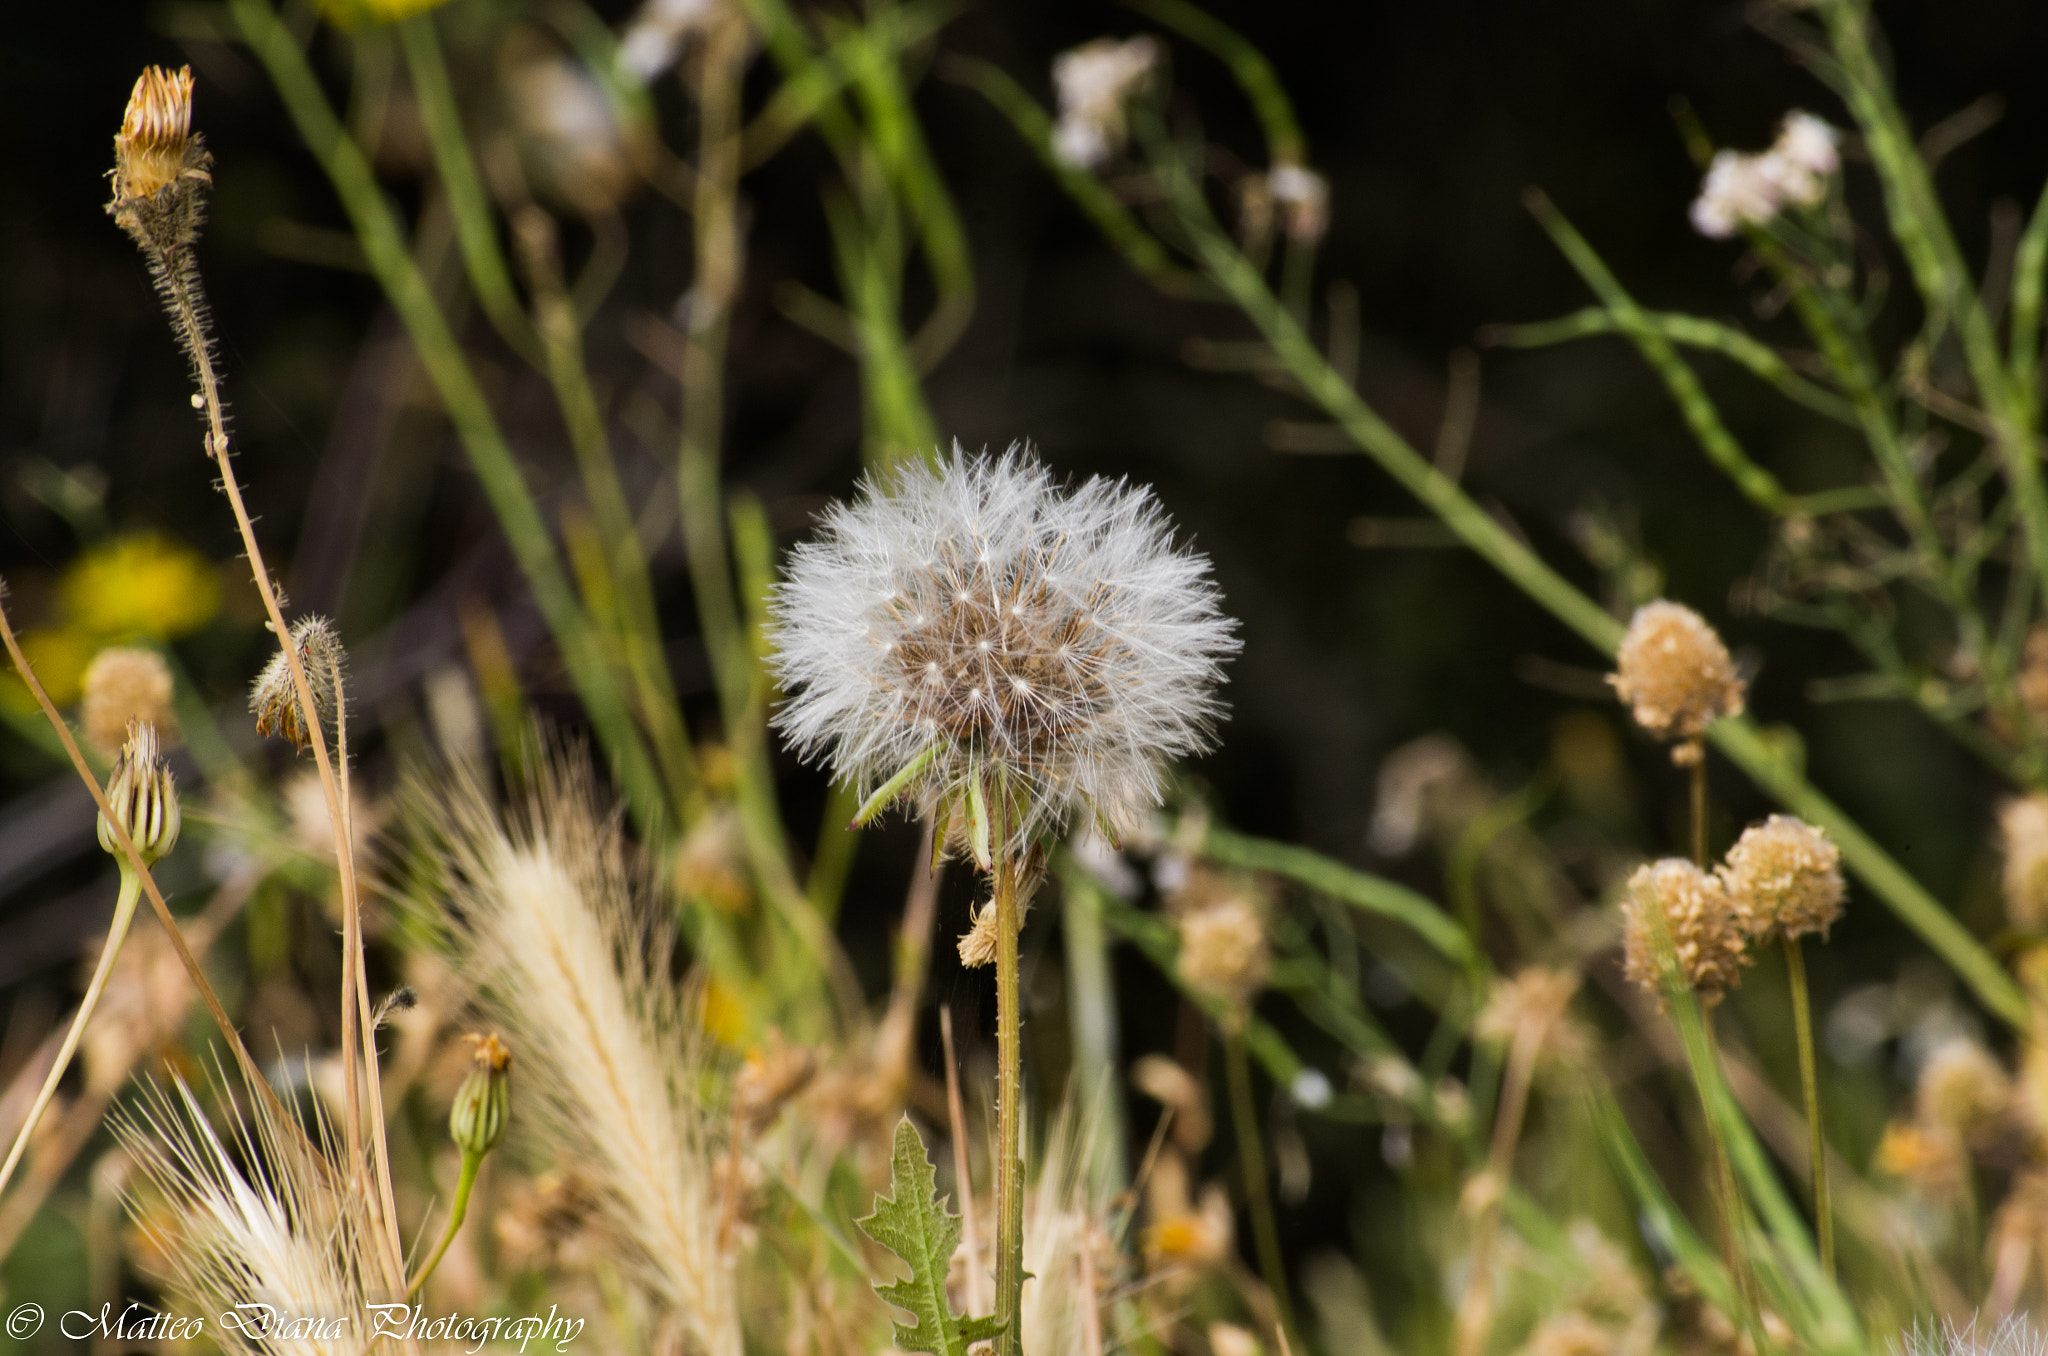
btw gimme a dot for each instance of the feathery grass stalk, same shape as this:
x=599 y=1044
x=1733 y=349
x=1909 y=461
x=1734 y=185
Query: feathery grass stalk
x=1809 y=1083
x=383 y=243
x=1009 y=1100
x=117 y=933
x=1258 y=1189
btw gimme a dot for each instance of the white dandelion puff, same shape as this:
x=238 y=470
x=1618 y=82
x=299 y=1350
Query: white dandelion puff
x=970 y=635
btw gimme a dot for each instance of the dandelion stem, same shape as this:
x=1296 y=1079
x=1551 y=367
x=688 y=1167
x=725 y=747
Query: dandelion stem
x=1009 y=1109
x=1809 y=1082
x=1251 y=1160
x=124 y=914
x=471 y=1161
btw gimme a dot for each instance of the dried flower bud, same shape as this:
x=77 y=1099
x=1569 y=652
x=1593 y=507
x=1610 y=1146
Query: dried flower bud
x=1962 y=1090
x=1678 y=920
x=144 y=798
x=124 y=684
x=2023 y=827
x=160 y=166
x=1675 y=673
x=978 y=943
x=483 y=1104
x=1223 y=950
x=1785 y=879
x=274 y=699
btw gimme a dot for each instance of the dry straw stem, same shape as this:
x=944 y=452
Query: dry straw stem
x=545 y=917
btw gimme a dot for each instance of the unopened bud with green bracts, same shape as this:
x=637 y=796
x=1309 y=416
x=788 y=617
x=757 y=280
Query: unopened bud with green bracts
x=143 y=796
x=484 y=1102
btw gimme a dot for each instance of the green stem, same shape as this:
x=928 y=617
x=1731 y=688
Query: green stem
x=1699 y=808
x=1091 y=1018
x=1724 y=1177
x=471 y=1161
x=124 y=914
x=1251 y=1161
x=384 y=247
x=1009 y=1113
x=1809 y=1082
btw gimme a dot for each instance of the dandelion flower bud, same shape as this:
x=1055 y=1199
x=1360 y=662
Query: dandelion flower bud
x=483 y=1104
x=1678 y=920
x=160 y=165
x=2023 y=829
x=1675 y=673
x=1785 y=879
x=124 y=684
x=1223 y=951
x=1003 y=653
x=144 y=798
x=1962 y=1089
x=274 y=699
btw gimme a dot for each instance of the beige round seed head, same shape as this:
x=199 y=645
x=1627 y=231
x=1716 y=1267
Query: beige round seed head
x=1675 y=673
x=1223 y=950
x=1784 y=877
x=124 y=684
x=1677 y=918
x=1535 y=1002
x=2023 y=831
x=1962 y=1089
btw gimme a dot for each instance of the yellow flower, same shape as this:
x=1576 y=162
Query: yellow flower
x=59 y=657
x=350 y=14
x=725 y=1015
x=139 y=585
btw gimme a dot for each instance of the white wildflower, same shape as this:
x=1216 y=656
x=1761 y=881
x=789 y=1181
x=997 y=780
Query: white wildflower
x=1094 y=81
x=1748 y=190
x=1810 y=146
x=653 y=41
x=975 y=639
x=1303 y=197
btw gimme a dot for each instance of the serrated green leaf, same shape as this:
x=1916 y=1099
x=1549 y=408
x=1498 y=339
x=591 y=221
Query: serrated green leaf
x=913 y=1223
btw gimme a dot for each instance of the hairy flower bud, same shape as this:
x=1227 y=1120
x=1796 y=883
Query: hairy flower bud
x=1678 y=921
x=483 y=1104
x=1675 y=673
x=274 y=699
x=1784 y=877
x=144 y=798
x=160 y=165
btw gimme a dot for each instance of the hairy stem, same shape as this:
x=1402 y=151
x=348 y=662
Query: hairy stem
x=1809 y=1082
x=1009 y=1113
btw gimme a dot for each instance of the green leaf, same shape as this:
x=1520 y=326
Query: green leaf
x=913 y=1223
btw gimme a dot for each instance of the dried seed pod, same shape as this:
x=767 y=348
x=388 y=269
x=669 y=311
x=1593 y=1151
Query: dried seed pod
x=274 y=699
x=1674 y=673
x=1677 y=921
x=1784 y=877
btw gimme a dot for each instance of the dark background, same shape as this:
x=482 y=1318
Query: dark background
x=1429 y=120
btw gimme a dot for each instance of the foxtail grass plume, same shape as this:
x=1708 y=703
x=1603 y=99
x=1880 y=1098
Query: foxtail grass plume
x=543 y=915
x=1094 y=82
x=123 y=684
x=1678 y=925
x=2015 y=1336
x=2023 y=833
x=260 y=1217
x=998 y=651
x=1784 y=877
x=1675 y=675
x=144 y=798
x=274 y=698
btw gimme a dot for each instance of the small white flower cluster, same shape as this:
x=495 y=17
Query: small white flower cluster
x=1748 y=190
x=653 y=41
x=1303 y=197
x=997 y=638
x=1094 y=81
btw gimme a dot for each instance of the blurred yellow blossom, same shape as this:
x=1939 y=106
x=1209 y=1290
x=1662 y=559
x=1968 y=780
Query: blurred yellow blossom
x=144 y=584
x=351 y=14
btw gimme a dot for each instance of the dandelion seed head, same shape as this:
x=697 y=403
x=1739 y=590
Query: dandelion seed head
x=1677 y=917
x=1784 y=877
x=1055 y=643
x=1674 y=672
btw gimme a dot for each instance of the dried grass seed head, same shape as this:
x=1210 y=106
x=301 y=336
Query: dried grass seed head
x=1010 y=648
x=1785 y=879
x=1674 y=672
x=1678 y=918
x=2023 y=833
x=122 y=684
x=274 y=698
x=160 y=165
